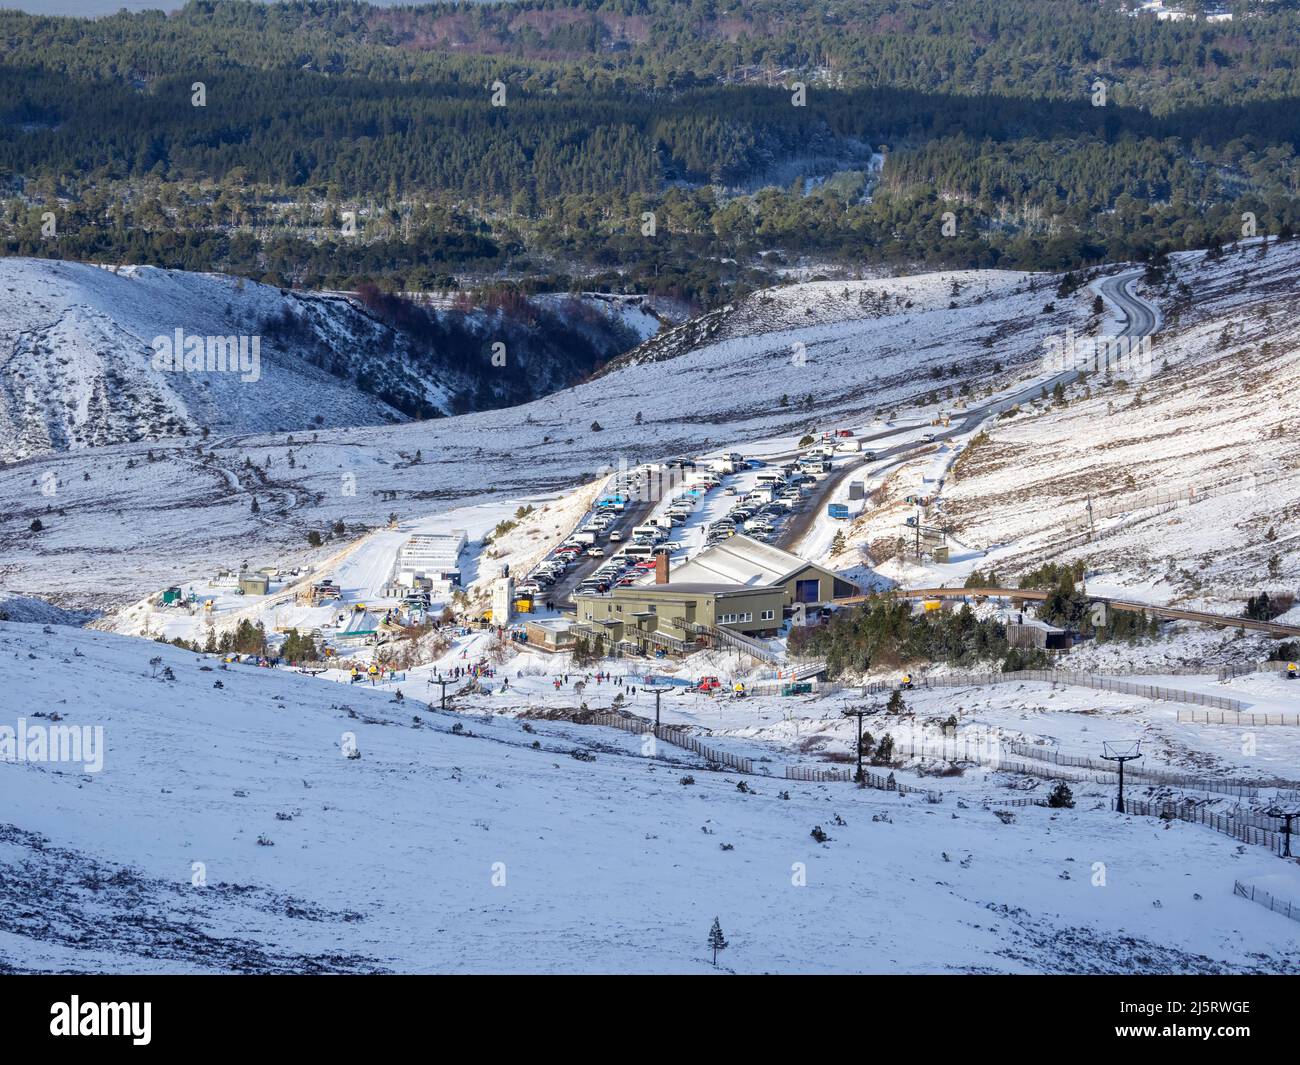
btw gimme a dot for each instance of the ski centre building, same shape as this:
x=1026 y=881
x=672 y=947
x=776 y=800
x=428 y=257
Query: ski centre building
x=740 y=585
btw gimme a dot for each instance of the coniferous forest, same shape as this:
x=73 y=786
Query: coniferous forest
x=689 y=149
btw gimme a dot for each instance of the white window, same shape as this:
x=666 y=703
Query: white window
x=746 y=617
x=767 y=615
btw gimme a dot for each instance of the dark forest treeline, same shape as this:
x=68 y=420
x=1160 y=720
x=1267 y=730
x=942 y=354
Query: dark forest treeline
x=1028 y=48
x=616 y=108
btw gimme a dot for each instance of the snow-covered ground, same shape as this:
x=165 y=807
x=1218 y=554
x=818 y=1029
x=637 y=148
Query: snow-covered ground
x=111 y=516
x=228 y=812
x=1213 y=422
x=79 y=365
x=228 y=830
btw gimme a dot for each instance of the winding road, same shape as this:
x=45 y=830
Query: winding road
x=1140 y=320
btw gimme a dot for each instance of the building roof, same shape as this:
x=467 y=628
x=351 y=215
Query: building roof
x=718 y=589
x=740 y=560
x=432 y=549
x=638 y=591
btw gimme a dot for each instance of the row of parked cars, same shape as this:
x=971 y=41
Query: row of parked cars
x=638 y=554
x=760 y=513
x=584 y=541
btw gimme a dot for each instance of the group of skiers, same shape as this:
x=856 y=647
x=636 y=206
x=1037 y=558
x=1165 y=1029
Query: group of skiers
x=587 y=678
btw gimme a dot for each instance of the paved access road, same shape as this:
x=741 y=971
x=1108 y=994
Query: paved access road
x=1140 y=320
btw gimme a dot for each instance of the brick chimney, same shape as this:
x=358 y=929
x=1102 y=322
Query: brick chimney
x=661 y=568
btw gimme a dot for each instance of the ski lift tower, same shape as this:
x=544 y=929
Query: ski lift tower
x=1286 y=817
x=926 y=539
x=1123 y=752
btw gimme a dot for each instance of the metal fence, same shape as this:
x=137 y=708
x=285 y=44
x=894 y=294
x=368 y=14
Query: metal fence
x=823 y=774
x=1259 y=895
x=1049 y=762
x=777 y=687
x=677 y=737
x=1223 y=717
x=817 y=773
x=1139 y=774
x=1081 y=680
x=1227 y=824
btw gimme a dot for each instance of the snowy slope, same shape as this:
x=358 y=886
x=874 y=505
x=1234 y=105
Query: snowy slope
x=75 y=354
x=76 y=351
x=1214 y=423
x=227 y=831
x=113 y=520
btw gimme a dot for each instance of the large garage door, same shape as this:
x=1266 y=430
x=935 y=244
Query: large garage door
x=807 y=591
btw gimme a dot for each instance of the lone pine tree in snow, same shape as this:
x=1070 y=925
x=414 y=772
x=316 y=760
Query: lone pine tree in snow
x=716 y=941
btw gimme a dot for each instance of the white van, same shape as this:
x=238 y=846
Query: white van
x=638 y=551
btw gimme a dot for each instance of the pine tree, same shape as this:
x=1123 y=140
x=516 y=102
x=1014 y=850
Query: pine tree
x=1061 y=797
x=716 y=941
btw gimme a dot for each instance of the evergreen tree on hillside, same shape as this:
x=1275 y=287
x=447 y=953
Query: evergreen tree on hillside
x=716 y=940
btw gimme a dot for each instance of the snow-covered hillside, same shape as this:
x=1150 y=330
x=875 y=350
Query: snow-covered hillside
x=75 y=341
x=1011 y=491
x=78 y=369
x=112 y=516
x=228 y=830
x=1193 y=471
